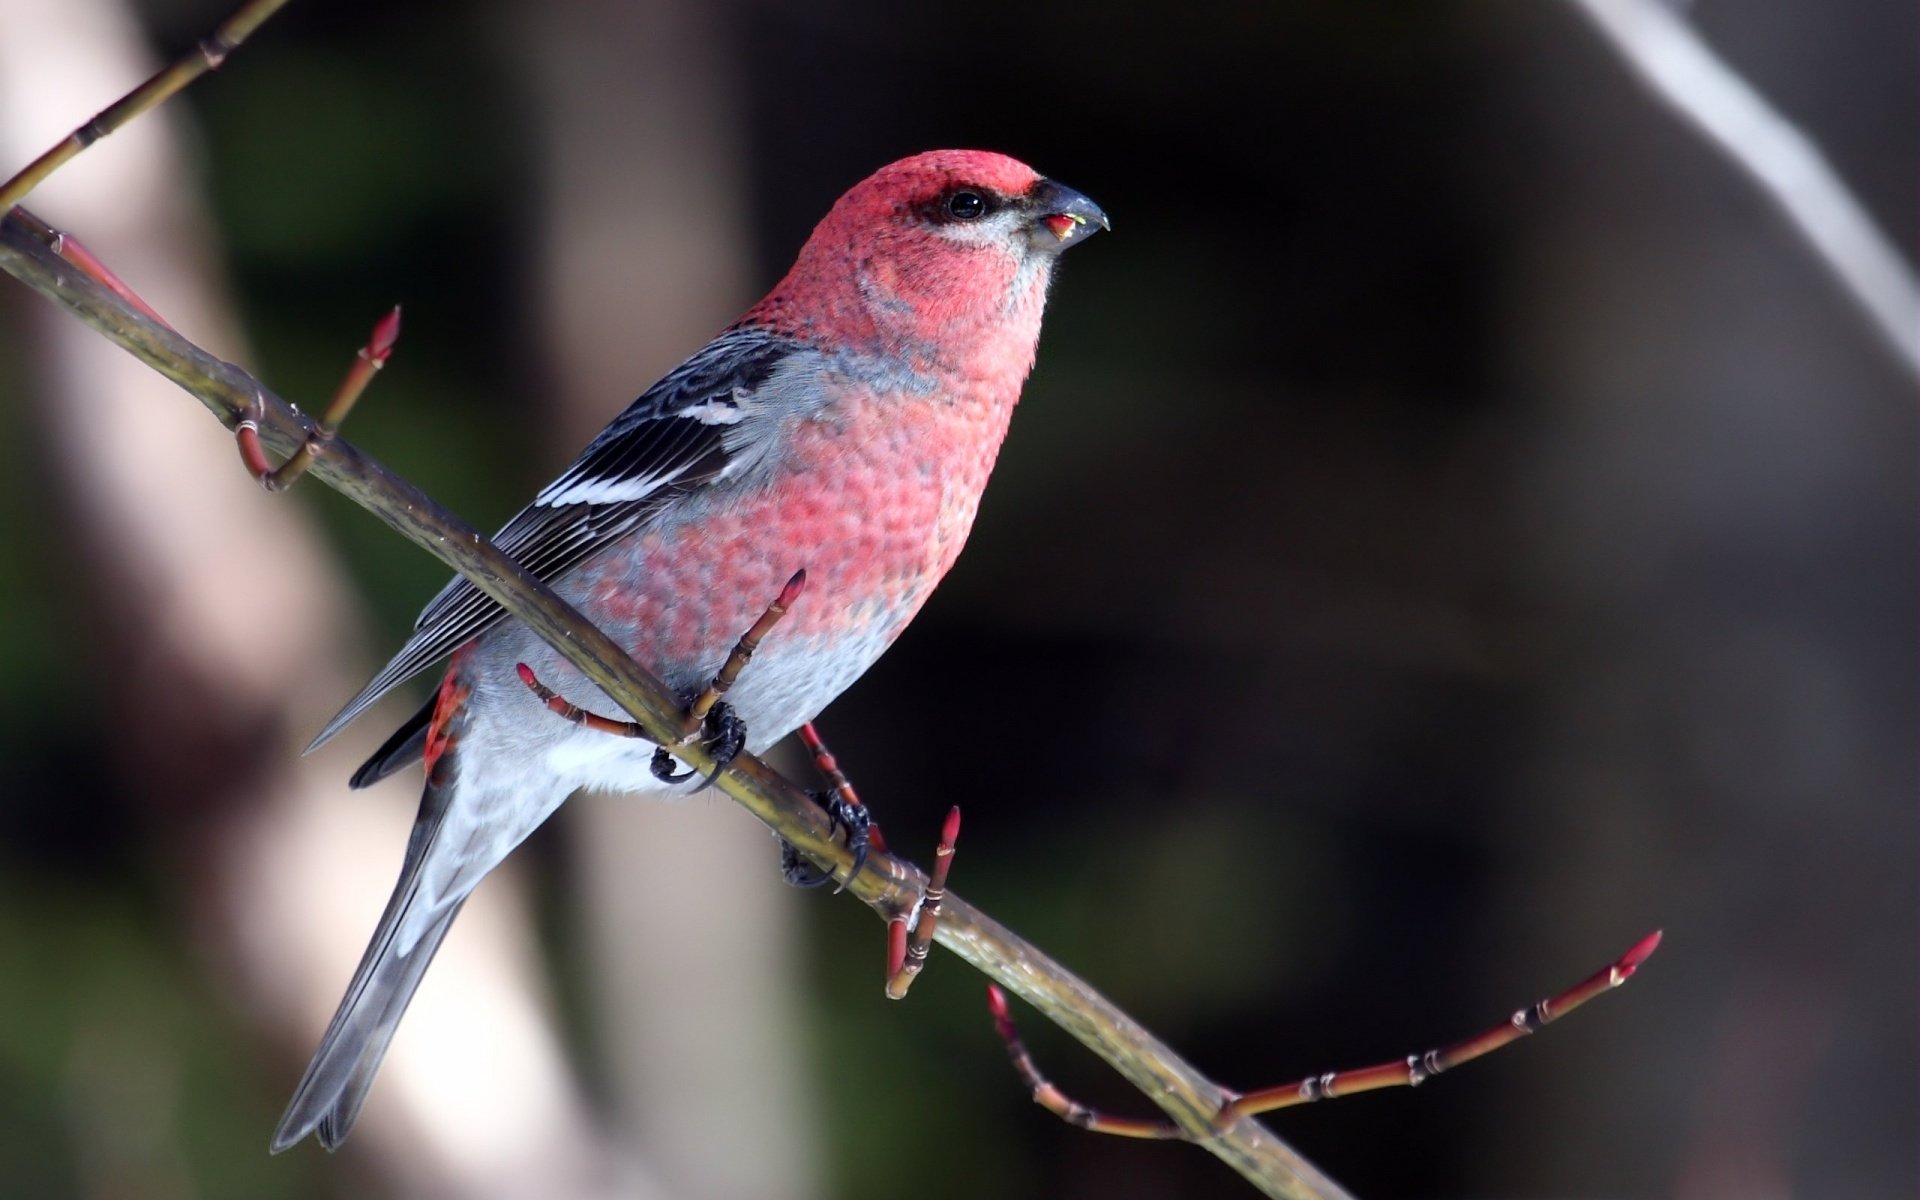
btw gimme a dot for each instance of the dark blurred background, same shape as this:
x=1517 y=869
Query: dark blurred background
x=1454 y=528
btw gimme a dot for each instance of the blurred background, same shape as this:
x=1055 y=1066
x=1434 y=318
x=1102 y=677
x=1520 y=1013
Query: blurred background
x=1455 y=527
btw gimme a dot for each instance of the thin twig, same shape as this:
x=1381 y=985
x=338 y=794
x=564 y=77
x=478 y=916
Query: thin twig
x=366 y=364
x=1663 y=49
x=566 y=709
x=1411 y=1071
x=208 y=54
x=907 y=956
x=889 y=885
x=1049 y=1096
x=1416 y=1069
x=742 y=654
x=68 y=247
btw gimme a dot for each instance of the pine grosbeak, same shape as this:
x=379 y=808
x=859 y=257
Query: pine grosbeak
x=845 y=425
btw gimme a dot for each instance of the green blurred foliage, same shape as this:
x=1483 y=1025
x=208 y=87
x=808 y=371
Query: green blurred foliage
x=154 y=1089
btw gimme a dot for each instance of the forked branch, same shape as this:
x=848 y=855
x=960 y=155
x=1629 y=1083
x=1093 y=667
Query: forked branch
x=366 y=365
x=1410 y=1071
x=1197 y=1109
x=889 y=884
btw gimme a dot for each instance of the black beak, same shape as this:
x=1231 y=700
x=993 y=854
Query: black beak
x=1062 y=217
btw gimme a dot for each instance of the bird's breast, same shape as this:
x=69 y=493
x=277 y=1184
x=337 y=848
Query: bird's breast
x=872 y=495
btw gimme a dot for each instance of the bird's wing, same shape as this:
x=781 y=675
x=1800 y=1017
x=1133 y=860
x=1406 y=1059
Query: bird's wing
x=680 y=435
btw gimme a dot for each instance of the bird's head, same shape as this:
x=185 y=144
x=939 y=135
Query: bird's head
x=973 y=200
x=951 y=248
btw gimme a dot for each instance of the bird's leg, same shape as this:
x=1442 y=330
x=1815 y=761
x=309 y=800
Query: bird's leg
x=365 y=366
x=1411 y=1071
x=725 y=737
x=709 y=714
x=726 y=734
x=906 y=946
x=861 y=835
x=844 y=811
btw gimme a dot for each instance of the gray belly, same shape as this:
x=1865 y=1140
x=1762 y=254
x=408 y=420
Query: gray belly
x=788 y=682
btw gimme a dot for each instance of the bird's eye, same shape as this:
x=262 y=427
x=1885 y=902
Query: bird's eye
x=966 y=206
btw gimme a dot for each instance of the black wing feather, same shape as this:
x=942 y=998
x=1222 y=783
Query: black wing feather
x=666 y=443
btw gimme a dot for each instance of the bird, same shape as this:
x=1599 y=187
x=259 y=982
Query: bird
x=845 y=425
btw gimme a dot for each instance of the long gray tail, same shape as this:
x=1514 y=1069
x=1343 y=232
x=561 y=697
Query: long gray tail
x=330 y=1094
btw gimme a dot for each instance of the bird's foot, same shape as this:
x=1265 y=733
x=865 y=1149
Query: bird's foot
x=722 y=733
x=851 y=816
x=910 y=936
x=725 y=734
x=844 y=811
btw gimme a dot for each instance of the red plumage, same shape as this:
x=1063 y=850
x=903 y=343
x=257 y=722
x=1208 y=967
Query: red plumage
x=845 y=425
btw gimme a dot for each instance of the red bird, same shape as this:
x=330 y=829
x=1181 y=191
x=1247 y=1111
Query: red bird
x=845 y=425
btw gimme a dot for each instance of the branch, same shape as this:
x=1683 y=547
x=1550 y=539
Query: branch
x=1670 y=58
x=892 y=886
x=206 y=56
x=1411 y=1071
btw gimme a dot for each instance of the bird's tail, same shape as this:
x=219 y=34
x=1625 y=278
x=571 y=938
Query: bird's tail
x=330 y=1094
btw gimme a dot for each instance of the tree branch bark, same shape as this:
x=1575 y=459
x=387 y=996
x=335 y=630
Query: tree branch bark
x=28 y=251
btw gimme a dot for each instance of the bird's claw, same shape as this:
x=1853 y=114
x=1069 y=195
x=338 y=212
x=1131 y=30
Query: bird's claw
x=852 y=817
x=797 y=870
x=841 y=814
x=723 y=734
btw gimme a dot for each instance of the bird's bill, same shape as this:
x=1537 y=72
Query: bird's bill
x=1062 y=216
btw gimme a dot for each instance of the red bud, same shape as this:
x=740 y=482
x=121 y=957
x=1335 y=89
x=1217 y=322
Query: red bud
x=896 y=946
x=791 y=592
x=385 y=333
x=996 y=1002
x=1641 y=952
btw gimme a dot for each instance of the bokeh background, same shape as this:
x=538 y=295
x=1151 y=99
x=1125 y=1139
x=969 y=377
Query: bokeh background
x=1454 y=528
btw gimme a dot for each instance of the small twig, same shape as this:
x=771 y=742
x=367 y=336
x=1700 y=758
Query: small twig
x=28 y=251
x=906 y=957
x=1670 y=58
x=1057 y=1102
x=889 y=885
x=696 y=714
x=68 y=247
x=742 y=654
x=562 y=707
x=1416 y=1069
x=1411 y=1071
x=366 y=364
x=211 y=51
